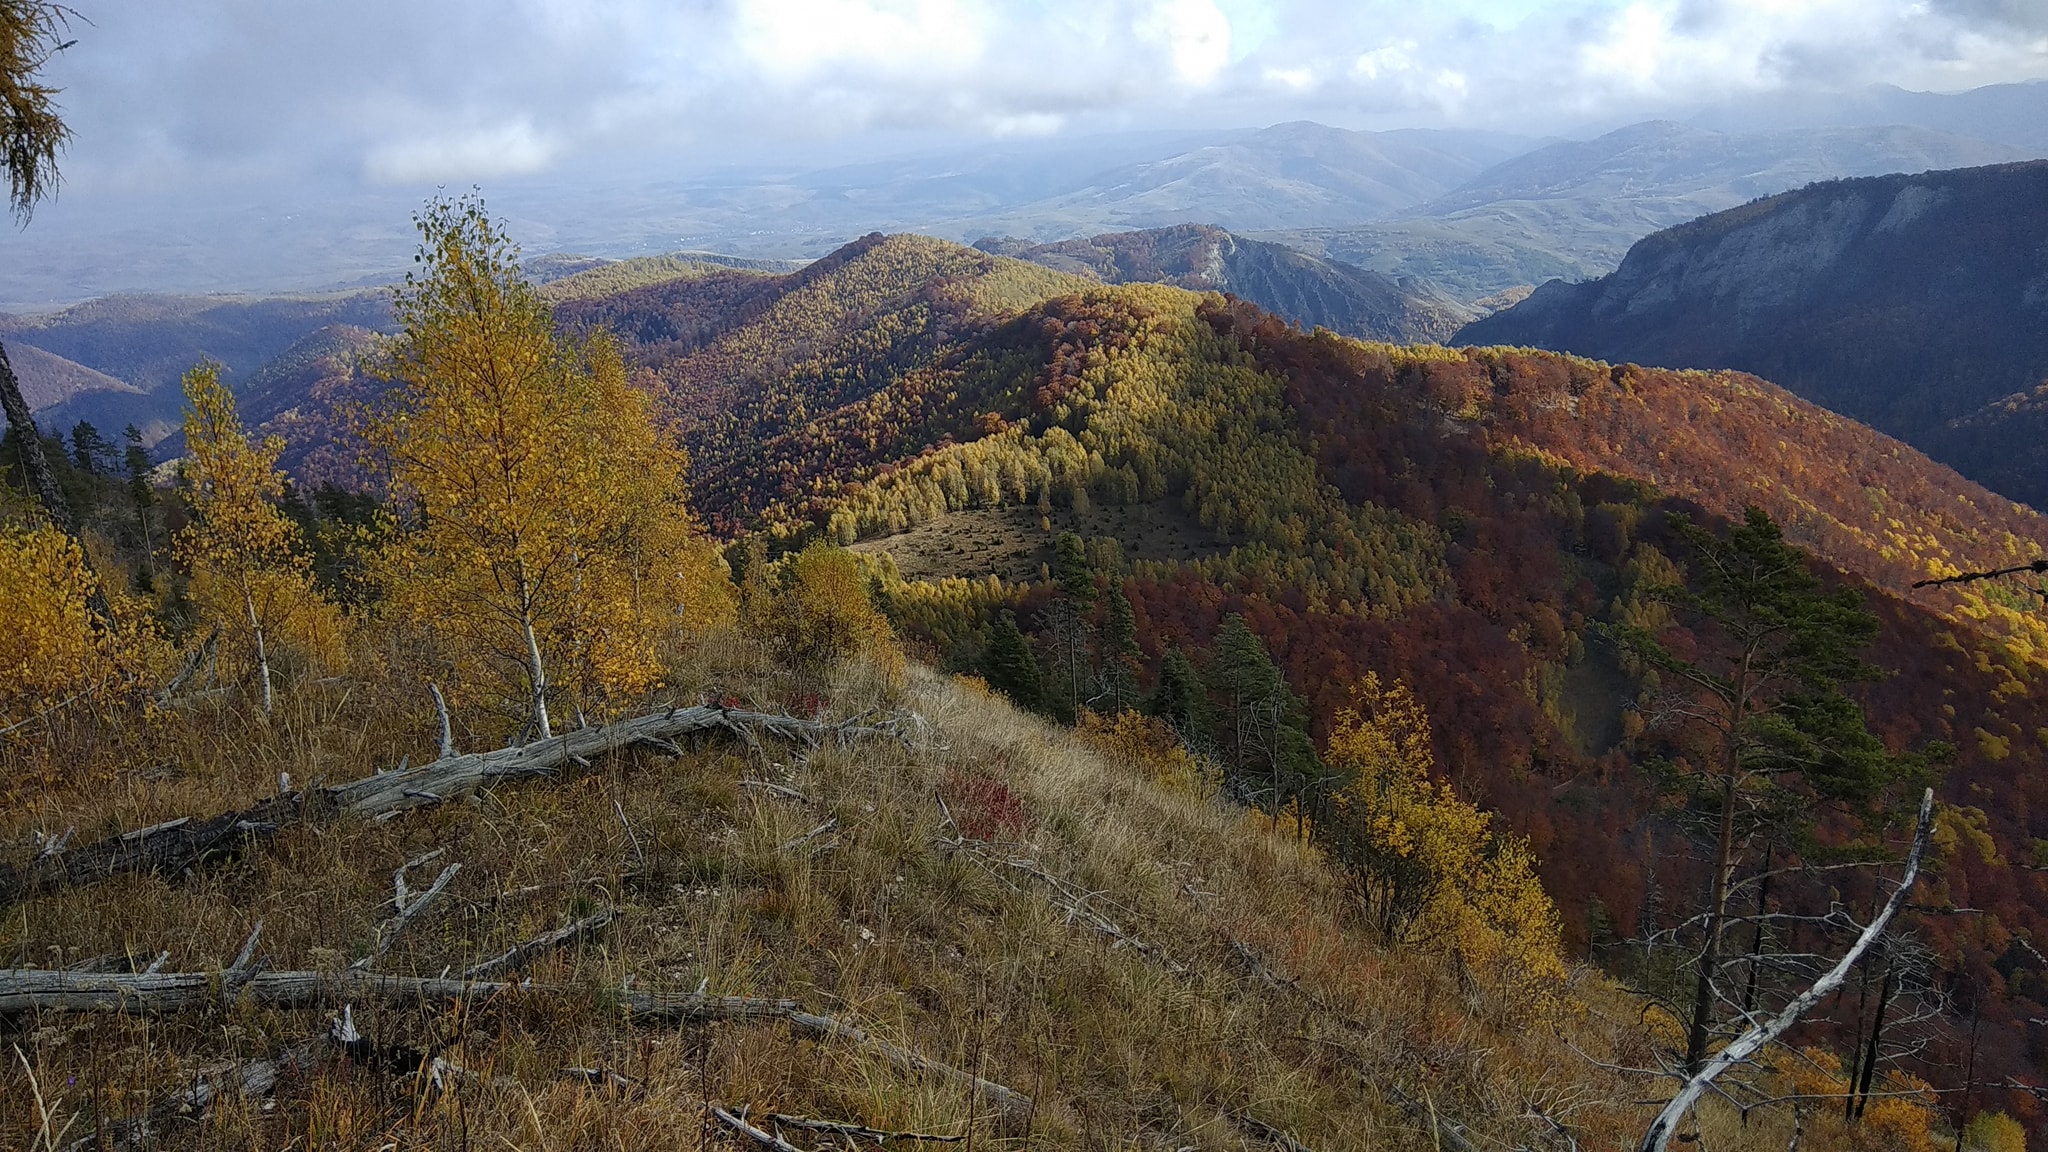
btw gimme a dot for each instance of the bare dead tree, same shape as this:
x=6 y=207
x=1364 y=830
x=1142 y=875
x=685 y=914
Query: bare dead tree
x=1762 y=1033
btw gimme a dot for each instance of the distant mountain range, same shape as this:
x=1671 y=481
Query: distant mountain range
x=1474 y=212
x=2014 y=114
x=1916 y=304
x=1571 y=209
x=1308 y=290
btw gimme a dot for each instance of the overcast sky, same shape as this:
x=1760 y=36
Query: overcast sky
x=409 y=93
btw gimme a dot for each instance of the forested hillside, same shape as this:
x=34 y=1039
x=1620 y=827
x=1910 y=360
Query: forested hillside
x=147 y=342
x=1413 y=651
x=491 y=808
x=1914 y=304
x=1475 y=524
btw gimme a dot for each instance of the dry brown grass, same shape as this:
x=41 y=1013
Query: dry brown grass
x=879 y=923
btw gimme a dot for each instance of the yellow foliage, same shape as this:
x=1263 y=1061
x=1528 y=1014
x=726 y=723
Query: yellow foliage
x=53 y=650
x=1994 y=1132
x=251 y=576
x=546 y=524
x=1145 y=742
x=1433 y=872
x=1894 y=1124
x=821 y=613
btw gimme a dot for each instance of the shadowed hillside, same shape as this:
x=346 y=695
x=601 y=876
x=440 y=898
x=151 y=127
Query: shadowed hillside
x=1905 y=302
x=147 y=343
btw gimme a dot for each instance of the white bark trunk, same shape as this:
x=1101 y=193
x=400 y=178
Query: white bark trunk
x=262 y=652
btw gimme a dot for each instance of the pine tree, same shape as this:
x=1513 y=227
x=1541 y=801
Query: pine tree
x=1117 y=652
x=1179 y=698
x=142 y=496
x=89 y=449
x=1011 y=667
x=1071 y=570
x=1764 y=688
x=1263 y=725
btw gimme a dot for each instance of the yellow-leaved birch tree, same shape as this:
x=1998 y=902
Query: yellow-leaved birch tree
x=251 y=574
x=544 y=535
x=53 y=651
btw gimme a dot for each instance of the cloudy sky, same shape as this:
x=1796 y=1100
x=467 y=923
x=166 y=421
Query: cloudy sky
x=410 y=93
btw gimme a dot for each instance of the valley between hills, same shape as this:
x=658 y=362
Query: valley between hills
x=1158 y=689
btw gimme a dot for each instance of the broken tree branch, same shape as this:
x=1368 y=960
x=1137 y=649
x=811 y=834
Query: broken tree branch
x=739 y=1124
x=519 y=954
x=46 y=990
x=388 y=932
x=1752 y=1041
x=447 y=729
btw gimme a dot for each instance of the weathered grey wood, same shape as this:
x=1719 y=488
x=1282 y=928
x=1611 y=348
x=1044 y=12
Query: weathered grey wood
x=1014 y=1105
x=45 y=990
x=739 y=1124
x=857 y=1131
x=519 y=954
x=173 y=847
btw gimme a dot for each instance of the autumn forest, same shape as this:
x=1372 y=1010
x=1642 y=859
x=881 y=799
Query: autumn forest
x=1429 y=747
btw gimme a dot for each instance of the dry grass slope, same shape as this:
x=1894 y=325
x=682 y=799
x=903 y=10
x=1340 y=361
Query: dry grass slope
x=914 y=920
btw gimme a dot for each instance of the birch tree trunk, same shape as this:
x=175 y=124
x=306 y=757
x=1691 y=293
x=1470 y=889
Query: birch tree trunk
x=535 y=672
x=262 y=652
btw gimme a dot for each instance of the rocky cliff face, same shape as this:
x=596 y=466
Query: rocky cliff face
x=1309 y=290
x=1906 y=302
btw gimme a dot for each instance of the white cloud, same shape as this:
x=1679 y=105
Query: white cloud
x=793 y=39
x=510 y=149
x=398 y=90
x=1195 y=35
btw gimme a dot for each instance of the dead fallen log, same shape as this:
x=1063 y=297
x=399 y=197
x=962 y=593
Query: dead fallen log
x=857 y=1131
x=174 y=846
x=1015 y=1106
x=163 y=994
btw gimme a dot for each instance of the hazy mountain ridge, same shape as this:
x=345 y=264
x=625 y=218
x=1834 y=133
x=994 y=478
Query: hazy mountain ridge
x=1907 y=302
x=2013 y=114
x=1571 y=209
x=1296 y=175
x=149 y=342
x=1306 y=289
x=48 y=379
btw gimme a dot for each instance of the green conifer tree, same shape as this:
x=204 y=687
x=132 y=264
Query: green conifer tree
x=1117 y=652
x=1071 y=569
x=1263 y=725
x=1762 y=690
x=1010 y=665
x=1179 y=698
